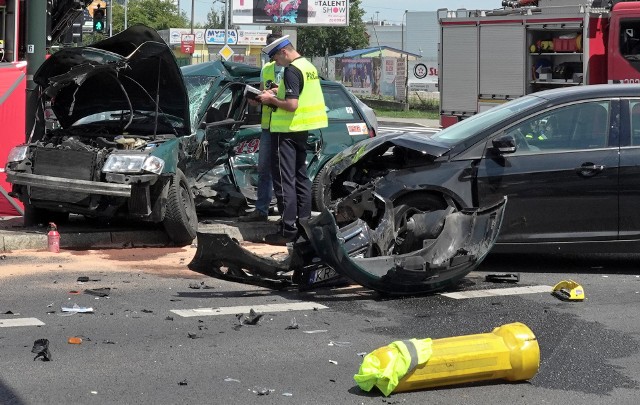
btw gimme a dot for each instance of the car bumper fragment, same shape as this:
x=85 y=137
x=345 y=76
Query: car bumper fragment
x=465 y=239
x=71 y=185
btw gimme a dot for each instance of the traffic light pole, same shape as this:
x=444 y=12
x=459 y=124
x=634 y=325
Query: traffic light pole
x=36 y=50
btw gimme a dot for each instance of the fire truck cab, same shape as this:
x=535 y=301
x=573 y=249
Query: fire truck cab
x=490 y=56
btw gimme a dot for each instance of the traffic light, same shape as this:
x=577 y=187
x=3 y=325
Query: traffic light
x=98 y=19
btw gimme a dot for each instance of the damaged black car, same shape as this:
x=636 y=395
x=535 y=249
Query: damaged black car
x=566 y=159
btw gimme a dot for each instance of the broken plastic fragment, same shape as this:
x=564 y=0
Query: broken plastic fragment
x=293 y=324
x=83 y=279
x=41 y=348
x=315 y=331
x=287 y=394
x=333 y=362
x=183 y=382
x=74 y=340
x=76 y=308
x=503 y=278
x=98 y=292
x=262 y=391
x=339 y=344
x=193 y=335
x=228 y=379
x=253 y=318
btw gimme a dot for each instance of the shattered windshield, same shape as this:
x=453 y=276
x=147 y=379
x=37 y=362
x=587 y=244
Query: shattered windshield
x=473 y=125
x=139 y=119
x=198 y=88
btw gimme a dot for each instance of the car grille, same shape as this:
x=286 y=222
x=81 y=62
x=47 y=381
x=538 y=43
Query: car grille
x=69 y=164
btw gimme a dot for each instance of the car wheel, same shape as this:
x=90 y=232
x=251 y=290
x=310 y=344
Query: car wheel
x=180 y=220
x=38 y=216
x=404 y=209
x=320 y=192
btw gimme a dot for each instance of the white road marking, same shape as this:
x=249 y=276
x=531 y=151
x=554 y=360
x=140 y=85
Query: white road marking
x=495 y=292
x=244 y=309
x=8 y=323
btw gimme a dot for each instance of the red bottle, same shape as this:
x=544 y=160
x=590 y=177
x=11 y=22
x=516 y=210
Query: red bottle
x=53 y=238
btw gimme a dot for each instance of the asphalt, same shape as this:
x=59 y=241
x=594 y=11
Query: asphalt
x=81 y=234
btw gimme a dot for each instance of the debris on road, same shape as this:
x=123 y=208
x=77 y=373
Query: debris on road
x=229 y=379
x=333 y=362
x=262 y=391
x=315 y=331
x=98 y=292
x=183 y=382
x=293 y=324
x=568 y=290
x=77 y=309
x=41 y=348
x=82 y=279
x=509 y=352
x=74 y=340
x=503 y=278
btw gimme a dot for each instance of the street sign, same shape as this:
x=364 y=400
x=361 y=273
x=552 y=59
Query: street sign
x=226 y=52
x=187 y=43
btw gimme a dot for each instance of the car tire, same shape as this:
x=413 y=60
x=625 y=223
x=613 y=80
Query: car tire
x=38 y=216
x=320 y=192
x=403 y=208
x=180 y=220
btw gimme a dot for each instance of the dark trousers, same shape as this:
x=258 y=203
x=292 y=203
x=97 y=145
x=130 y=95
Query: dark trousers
x=290 y=181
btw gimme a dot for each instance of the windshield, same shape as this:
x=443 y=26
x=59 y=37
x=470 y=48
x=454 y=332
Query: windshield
x=198 y=88
x=473 y=125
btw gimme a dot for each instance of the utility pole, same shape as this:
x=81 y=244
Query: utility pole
x=126 y=8
x=226 y=22
x=36 y=50
x=110 y=17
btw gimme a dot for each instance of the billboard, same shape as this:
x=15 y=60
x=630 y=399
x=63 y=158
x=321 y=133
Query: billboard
x=290 y=12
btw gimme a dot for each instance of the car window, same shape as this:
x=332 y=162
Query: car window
x=339 y=106
x=474 y=125
x=573 y=127
x=634 y=106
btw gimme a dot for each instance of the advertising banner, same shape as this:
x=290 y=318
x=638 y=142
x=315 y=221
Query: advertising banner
x=356 y=75
x=290 y=12
x=423 y=76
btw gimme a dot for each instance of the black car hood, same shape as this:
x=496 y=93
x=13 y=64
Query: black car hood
x=132 y=70
x=417 y=142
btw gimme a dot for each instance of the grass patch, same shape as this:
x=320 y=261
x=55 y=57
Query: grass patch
x=412 y=113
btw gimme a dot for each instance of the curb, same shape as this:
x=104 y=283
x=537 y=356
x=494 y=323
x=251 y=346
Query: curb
x=86 y=237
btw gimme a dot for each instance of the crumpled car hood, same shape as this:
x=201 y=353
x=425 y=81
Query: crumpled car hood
x=134 y=69
x=353 y=154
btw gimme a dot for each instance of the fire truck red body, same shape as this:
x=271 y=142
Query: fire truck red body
x=491 y=56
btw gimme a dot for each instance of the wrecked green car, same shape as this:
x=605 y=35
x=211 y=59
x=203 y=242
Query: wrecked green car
x=225 y=181
x=122 y=134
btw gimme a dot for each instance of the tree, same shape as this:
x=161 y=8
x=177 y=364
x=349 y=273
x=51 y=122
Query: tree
x=315 y=41
x=215 y=18
x=157 y=14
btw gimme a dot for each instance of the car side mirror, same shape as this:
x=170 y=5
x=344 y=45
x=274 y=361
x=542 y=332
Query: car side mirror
x=505 y=144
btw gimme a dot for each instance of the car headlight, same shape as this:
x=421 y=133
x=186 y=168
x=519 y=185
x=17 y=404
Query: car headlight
x=123 y=163
x=18 y=153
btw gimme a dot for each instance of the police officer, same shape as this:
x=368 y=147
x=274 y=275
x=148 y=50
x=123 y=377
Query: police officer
x=299 y=107
x=270 y=77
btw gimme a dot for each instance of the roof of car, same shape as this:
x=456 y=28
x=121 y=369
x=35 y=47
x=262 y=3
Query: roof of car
x=576 y=93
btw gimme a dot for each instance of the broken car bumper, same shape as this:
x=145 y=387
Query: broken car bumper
x=70 y=185
x=464 y=240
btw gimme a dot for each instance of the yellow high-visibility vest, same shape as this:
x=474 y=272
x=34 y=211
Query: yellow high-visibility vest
x=268 y=73
x=311 y=113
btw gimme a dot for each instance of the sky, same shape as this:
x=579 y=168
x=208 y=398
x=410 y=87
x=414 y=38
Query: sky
x=389 y=10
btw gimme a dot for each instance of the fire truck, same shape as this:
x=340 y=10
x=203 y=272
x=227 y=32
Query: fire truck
x=490 y=56
x=13 y=22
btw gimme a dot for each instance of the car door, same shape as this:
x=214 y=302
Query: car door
x=346 y=126
x=562 y=180
x=630 y=170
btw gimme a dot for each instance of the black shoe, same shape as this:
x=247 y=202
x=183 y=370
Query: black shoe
x=278 y=239
x=254 y=216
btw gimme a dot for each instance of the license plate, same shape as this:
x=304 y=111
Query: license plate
x=317 y=276
x=250 y=146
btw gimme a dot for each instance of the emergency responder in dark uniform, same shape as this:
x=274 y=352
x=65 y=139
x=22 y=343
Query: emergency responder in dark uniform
x=299 y=107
